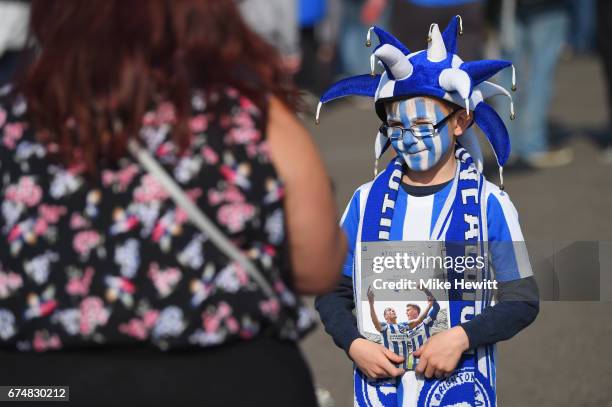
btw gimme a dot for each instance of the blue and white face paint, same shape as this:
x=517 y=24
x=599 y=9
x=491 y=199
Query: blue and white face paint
x=420 y=148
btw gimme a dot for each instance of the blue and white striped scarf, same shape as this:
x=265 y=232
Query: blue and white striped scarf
x=473 y=382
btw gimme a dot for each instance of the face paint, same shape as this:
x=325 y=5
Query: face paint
x=425 y=150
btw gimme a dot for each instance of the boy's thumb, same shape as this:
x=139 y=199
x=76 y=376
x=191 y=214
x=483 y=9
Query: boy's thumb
x=392 y=356
x=417 y=353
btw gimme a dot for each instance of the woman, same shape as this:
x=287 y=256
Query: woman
x=100 y=271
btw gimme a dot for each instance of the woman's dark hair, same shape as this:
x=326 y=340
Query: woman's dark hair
x=101 y=63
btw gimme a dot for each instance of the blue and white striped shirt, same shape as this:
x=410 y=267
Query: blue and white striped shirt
x=415 y=216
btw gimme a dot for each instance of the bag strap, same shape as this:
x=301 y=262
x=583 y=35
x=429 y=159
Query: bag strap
x=197 y=217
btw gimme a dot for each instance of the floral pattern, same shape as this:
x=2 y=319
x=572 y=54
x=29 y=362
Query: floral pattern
x=112 y=260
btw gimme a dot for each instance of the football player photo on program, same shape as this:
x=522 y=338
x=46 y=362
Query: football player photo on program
x=403 y=326
x=403 y=295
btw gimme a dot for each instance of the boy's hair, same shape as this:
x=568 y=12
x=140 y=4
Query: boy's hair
x=387 y=310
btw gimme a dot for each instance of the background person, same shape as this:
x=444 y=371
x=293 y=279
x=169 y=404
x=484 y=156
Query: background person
x=319 y=28
x=411 y=18
x=532 y=35
x=276 y=21
x=357 y=17
x=99 y=270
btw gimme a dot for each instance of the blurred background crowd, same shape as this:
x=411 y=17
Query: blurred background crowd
x=561 y=141
x=323 y=40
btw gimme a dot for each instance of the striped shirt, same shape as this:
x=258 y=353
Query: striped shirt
x=418 y=335
x=395 y=338
x=414 y=218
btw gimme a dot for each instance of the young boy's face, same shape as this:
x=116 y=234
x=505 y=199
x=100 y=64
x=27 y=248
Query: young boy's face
x=423 y=147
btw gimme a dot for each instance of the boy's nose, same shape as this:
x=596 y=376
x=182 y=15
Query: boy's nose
x=408 y=140
x=411 y=144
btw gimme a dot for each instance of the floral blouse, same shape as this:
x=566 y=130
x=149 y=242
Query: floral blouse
x=112 y=260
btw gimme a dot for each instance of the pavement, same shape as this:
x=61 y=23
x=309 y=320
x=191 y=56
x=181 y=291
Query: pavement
x=565 y=357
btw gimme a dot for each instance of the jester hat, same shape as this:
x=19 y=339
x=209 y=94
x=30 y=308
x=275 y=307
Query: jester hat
x=436 y=72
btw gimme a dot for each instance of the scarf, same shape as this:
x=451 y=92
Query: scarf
x=461 y=226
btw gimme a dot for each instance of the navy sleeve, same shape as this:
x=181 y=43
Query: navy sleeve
x=336 y=311
x=518 y=307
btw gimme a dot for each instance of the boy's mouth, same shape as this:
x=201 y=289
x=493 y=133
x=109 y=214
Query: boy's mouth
x=410 y=152
x=412 y=149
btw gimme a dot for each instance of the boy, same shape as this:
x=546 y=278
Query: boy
x=433 y=190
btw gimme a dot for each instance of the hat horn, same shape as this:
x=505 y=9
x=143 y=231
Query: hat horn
x=395 y=62
x=436 y=50
x=456 y=80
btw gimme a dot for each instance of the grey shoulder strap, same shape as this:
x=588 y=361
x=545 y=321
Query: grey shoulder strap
x=197 y=217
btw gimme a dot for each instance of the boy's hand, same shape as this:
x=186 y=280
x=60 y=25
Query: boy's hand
x=440 y=354
x=374 y=360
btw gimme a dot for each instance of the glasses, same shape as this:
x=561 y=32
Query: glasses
x=418 y=131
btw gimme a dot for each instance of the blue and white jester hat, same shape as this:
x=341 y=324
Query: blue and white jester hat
x=437 y=72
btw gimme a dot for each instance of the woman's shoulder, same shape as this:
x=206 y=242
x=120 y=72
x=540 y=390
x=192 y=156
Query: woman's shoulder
x=226 y=127
x=231 y=105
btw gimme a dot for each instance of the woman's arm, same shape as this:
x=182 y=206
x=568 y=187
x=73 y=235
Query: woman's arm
x=316 y=243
